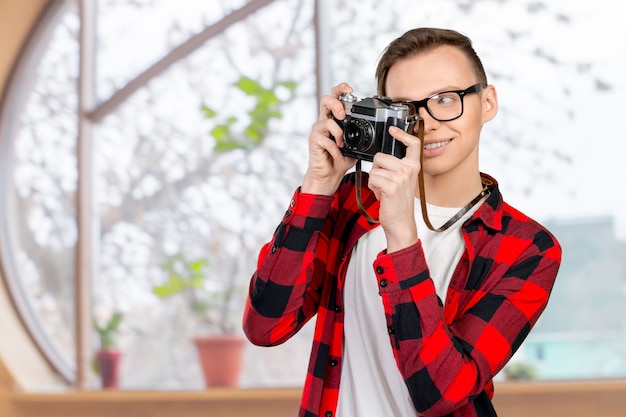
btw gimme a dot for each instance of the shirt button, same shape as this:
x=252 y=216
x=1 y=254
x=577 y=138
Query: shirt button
x=328 y=414
x=273 y=250
x=391 y=330
x=288 y=213
x=333 y=362
x=337 y=309
x=383 y=283
x=379 y=270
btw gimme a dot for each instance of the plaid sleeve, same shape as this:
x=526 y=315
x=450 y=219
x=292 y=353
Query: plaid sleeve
x=449 y=356
x=283 y=291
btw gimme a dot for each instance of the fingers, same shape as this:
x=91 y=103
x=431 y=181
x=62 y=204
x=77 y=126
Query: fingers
x=413 y=144
x=327 y=164
x=330 y=130
x=390 y=174
x=322 y=134
x=394 y=182
x=330 y=104
x=340 y=89
x=413 y=152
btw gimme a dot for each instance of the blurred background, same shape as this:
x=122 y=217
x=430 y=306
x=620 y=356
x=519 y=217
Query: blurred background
x=148 y=148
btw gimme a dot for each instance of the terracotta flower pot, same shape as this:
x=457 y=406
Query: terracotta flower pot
x=109 y=367
x=221 y=358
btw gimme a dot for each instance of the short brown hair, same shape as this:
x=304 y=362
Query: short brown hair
x=421 y=40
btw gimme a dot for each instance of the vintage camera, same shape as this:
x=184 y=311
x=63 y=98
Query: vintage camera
x=366 y=126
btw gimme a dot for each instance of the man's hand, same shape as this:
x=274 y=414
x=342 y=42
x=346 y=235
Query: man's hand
x=394 y=182
x=327 y=165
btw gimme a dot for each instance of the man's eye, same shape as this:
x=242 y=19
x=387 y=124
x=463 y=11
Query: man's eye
x=444 y=99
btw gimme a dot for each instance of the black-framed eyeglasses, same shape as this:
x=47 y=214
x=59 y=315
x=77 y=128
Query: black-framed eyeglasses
x=447 y=105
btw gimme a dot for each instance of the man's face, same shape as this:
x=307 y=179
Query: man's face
x=451 y=148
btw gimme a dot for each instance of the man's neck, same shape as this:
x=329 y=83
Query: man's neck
x=452 y=190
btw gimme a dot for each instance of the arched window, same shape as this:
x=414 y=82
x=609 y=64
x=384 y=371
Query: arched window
x=164 y=181
x=181 y=133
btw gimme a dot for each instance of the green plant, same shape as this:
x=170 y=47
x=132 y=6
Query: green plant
x=207 y=300
x=267 y=107
x=520 y=371
x=107 y=331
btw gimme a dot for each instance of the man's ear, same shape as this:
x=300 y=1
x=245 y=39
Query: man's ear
x=490 y=103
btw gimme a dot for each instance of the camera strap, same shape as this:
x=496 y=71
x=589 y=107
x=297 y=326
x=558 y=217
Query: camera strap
x=359 y=200
x=487 y=185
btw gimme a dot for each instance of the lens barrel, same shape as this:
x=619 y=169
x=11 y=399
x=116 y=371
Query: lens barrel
x=358 y=134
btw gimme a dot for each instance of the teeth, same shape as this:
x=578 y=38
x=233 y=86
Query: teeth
x=435 y=145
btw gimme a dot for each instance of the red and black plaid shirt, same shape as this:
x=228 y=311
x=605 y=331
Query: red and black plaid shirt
x=446 y=354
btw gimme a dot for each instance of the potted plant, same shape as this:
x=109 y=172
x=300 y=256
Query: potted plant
x=107 y=357
x=210 y=300
x=520 y=371
x=219 y=348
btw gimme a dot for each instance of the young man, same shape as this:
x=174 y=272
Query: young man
x=409 y=321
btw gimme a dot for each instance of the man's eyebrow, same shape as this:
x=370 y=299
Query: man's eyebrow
x=438 y=91
x=404 y=98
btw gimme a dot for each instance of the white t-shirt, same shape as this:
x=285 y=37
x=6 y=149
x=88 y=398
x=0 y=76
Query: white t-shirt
x=371 y=384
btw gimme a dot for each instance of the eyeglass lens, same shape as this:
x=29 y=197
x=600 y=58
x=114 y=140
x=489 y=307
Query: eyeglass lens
x=445 y=106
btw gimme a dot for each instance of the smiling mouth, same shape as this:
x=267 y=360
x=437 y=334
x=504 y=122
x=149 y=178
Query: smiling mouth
x=436 y=145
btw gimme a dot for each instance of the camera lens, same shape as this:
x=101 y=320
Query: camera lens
x=357 y=134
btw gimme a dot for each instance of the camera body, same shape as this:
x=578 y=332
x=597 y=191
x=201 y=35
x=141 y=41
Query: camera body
x=366 y=126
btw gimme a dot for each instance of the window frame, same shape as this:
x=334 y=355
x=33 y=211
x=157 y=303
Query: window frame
x=32 y=51
x=89 y=113
x=13 y=101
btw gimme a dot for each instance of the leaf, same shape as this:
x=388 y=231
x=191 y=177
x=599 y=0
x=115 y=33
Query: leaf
x=219 y=132
x=268 y=100
x=115 y=321
x=197 y=265
x=249 y=86
x=95 y=365
x=107 y=330
x=228 y=146
x=208 y=112
x=174 y=285
x=290 y=85
x=196 y=281
x=253 y=134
